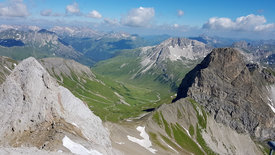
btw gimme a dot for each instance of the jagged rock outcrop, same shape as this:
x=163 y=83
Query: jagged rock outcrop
x=235 y=93
x=37 y=112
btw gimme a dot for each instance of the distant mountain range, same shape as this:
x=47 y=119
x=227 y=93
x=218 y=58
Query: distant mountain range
x=82 y=44
x=258 y=51
x=20 y=44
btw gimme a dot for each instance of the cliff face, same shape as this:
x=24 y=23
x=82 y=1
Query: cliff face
x=37 y=112
x=235 y=93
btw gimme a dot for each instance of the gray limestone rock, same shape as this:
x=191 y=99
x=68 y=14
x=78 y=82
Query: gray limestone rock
x=37 y=112
x=236 y=94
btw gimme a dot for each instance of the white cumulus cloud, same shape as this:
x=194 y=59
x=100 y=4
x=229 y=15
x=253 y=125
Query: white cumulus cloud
x=180 y=13
x=264 y=27
x=72 y=8
x=138 y=17
x=13 y=8
x=244 y=23
x=94 y=14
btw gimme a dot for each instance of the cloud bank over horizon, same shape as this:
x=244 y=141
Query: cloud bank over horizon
x=244 y=23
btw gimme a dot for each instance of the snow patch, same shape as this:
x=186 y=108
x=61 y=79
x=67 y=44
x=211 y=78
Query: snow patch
x=186 y=131
x=77 y=148
x=7 y=68
x=271 y=99
x=122 y=65
x=272 y=107
x=74 y=124
x=178 y=52
x=120 y=143
x=145 y=142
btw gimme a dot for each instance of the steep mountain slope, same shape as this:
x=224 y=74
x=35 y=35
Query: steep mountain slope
x=6 y=66
x=164 y=64
x=37 y=112
x=184 y=127
x=236 y=94
x=109 y=99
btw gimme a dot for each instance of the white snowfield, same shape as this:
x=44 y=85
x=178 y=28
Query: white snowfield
x=145 y=142
x=78 y=148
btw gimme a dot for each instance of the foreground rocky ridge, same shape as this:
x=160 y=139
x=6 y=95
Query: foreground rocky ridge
x=36 y=112
x=235 y=93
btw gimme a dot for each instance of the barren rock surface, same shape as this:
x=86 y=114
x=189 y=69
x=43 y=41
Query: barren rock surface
x=234 y=92
x=35 y=111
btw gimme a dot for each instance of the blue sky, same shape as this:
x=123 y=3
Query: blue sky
x=226 y=18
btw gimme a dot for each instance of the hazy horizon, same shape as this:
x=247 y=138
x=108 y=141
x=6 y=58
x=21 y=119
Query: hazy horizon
x=229 y=19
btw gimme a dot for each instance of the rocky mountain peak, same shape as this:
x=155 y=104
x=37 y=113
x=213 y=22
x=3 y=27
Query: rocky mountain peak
x=37 y=112
x=173 y=49
x=181 y=42
x=177 y=49
x=235 y=93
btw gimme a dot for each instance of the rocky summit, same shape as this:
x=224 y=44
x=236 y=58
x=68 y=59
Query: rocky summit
x=175 y=49
x=37 y=112
x=235 y=93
